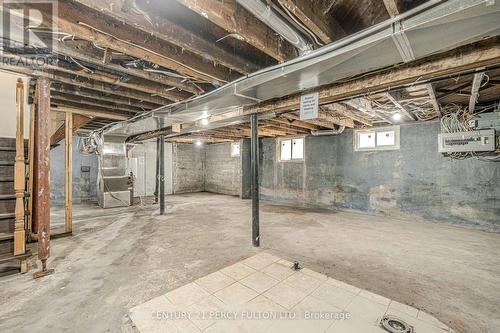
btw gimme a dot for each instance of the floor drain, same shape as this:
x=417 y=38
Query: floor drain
x=395 y=325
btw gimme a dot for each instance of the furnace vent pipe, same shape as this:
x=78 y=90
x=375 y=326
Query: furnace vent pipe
x=266 y=14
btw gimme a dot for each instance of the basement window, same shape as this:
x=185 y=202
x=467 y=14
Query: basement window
x=235 y=149
x=292 y=149
x=383 y=138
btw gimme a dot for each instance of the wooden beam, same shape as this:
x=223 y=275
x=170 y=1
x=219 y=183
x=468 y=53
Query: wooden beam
x=453 y=62
x=310 y=15
x=432 y=95
x=96 y=103
x=237 y=20
x=474 y=95
x=108 y=33
x=68 y=221
x=89 y=113
x=68 y=90
x=78 y=122
x=296 y=123
x=84 y=51
x=325 y=119
x=172 y=33
x=392 y=7
x=147 y=87
x=19 y=173
x=391 y=96
x=348 y=112
x=97 y=86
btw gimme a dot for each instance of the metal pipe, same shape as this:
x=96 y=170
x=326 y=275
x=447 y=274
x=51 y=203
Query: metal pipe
x=267 y=15
x=157 y=183
x=254 y=158
x=162 y=175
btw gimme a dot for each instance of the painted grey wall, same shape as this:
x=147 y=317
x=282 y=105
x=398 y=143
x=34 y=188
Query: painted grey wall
x=188 y=168
x=413 y=181
x=84 y=182
x=222 y=171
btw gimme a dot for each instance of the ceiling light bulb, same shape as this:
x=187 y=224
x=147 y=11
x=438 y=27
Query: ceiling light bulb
x=204 y=122
x=396 y=116
x=199 y=143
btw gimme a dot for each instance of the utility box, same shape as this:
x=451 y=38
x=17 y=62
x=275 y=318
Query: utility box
x=473 y=141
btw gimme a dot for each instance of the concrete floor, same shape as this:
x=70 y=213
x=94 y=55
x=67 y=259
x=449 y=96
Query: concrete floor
x=121 y=258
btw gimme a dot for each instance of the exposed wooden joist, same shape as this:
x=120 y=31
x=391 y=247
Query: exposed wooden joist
x=95 y=103
x=62 y=102
x=349 y=112
x=474 y=95
x=109 y=33
x=392 y=7
x=84 y=51
x=311 y=16
x=453 y=62
x=172 y=33
x=391 y=96
x=110 y=100
x=297 y=123
x=170 y=93
x=432 y=95
x=365 y=106
x=237 y=20
x=89 y=84
x=90 y=113
x=325 y=119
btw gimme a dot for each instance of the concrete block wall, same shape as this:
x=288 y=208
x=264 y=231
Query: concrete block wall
x=222 y=171
x=414 y=181
x=188 y=169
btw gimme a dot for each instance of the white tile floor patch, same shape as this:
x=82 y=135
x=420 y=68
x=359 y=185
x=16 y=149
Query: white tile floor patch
x=264 y=294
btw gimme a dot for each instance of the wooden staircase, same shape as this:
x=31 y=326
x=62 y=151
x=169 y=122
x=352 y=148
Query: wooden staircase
x=8 y=203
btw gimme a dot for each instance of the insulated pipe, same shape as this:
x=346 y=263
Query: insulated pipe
x=328 y=132
x=254 y=158
x=266 y=14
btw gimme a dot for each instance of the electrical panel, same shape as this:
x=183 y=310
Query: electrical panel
x=474 y=141
x=485 y=121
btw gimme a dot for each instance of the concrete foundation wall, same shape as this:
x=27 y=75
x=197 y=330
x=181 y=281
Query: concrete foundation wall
x=415 y=180
x=84 y=182
x=188 y=168
x=222 y=172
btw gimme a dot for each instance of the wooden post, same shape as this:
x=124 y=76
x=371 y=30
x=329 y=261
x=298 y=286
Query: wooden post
x=31 y=159
x=19 y=174
x=42 y=160
x=69 y=173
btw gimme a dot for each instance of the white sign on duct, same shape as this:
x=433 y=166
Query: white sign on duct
x=309 y=106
